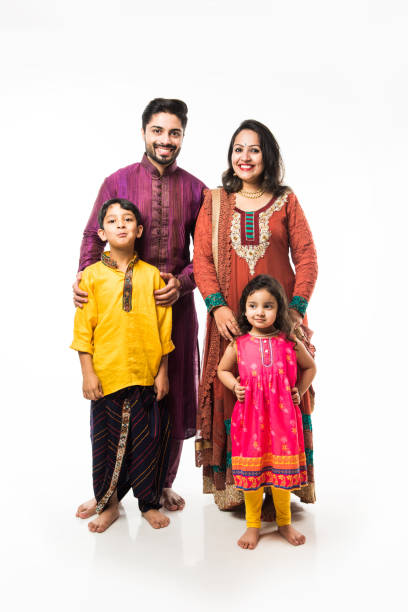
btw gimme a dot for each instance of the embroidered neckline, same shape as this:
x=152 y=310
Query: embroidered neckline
x=251 y=245
x=111 y=263
x=268 y=336
x=128 y=280
x=258 y=210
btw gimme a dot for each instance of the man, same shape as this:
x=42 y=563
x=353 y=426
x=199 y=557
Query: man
x=169 y=200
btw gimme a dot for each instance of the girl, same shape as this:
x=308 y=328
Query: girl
x=266 y=425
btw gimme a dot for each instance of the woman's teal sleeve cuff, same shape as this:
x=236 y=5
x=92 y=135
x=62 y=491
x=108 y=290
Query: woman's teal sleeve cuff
x=299 y=304
x=214 y=300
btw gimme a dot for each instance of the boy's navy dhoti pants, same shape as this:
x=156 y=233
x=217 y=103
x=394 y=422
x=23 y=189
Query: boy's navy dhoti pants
x=130 y=433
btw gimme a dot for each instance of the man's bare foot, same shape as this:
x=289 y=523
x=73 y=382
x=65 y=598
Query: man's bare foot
x=156 y=518
x=292 y=535
x=172 y=500
x=87 y=509
x=268 y=513
x=250 y=538
x=105 y=518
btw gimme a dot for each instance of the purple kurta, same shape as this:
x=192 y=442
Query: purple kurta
x=169 y=206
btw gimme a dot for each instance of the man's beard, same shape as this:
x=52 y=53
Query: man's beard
x=151 y=152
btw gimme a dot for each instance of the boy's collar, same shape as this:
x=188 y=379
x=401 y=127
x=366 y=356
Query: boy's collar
x=111 y=263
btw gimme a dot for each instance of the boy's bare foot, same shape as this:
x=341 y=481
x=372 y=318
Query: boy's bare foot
x=105 y=518
x=172 y=500
x=87 y=509
x=292 y=535
x=156 y=518
x=268 y=513
x=250 y=538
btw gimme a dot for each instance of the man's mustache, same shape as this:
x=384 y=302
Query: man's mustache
x=170 y=147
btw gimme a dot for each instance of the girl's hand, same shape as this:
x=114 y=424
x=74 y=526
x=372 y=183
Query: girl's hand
x=226 y=322
x=295 y=395
x=296 y=317
x=91 y=387
x=239 y=392
x=161 y=385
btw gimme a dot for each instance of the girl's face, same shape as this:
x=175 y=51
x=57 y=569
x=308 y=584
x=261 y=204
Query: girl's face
x=261 y=310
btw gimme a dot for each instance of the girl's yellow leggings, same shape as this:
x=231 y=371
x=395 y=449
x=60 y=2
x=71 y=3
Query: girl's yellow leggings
x=253 y=506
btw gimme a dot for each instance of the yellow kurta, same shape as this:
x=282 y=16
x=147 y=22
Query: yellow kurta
x=126 y=346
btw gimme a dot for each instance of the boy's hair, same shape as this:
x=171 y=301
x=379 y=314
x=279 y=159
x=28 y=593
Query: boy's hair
x=165 y=105
x=125 y=204
x=283 y=321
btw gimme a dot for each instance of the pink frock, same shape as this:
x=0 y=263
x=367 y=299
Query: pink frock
x=266 y=429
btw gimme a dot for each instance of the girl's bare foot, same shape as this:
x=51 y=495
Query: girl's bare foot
x=156 y=519
x=250 y=538
x=87 y=509
x=105 y=518
x=172 y=500
x=292 y=535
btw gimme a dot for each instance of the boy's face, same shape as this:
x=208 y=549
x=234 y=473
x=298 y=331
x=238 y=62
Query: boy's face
x=120 y=227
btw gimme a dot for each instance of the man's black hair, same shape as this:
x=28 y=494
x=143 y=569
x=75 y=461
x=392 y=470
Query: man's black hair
x=164 y=105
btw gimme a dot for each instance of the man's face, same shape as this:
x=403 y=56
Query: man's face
x=163 y=138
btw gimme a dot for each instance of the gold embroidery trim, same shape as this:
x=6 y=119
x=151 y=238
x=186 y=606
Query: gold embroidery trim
x=252 y=253
x=120 y=453
x=215 y=218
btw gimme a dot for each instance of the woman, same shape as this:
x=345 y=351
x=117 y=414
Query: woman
x=249 y=227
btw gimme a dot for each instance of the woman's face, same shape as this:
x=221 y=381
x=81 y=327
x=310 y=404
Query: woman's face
x=246 y=157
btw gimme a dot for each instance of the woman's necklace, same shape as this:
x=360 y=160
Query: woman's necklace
x=252 y=195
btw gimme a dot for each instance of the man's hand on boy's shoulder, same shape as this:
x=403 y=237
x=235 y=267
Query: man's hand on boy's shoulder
x=80 y=297
x=170 y=293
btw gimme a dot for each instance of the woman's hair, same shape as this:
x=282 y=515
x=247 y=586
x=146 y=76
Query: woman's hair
x=273 y=165
x=165 y=105
x=125 y=204
x=263 y=281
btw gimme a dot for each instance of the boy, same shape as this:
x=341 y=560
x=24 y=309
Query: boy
x=123 y=340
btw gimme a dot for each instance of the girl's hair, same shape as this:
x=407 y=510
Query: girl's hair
x=273 y=166
x=263 y=281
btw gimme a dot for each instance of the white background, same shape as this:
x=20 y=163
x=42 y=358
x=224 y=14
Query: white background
x=330 y=80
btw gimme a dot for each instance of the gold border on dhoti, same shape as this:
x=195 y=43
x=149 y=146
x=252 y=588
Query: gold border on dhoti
x=120 y=453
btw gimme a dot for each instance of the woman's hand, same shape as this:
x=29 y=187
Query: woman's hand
x=79 y=296
x=226 y=322
x=296 y=317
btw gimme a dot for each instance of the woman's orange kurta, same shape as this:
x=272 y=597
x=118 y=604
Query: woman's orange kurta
x=289 y=236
